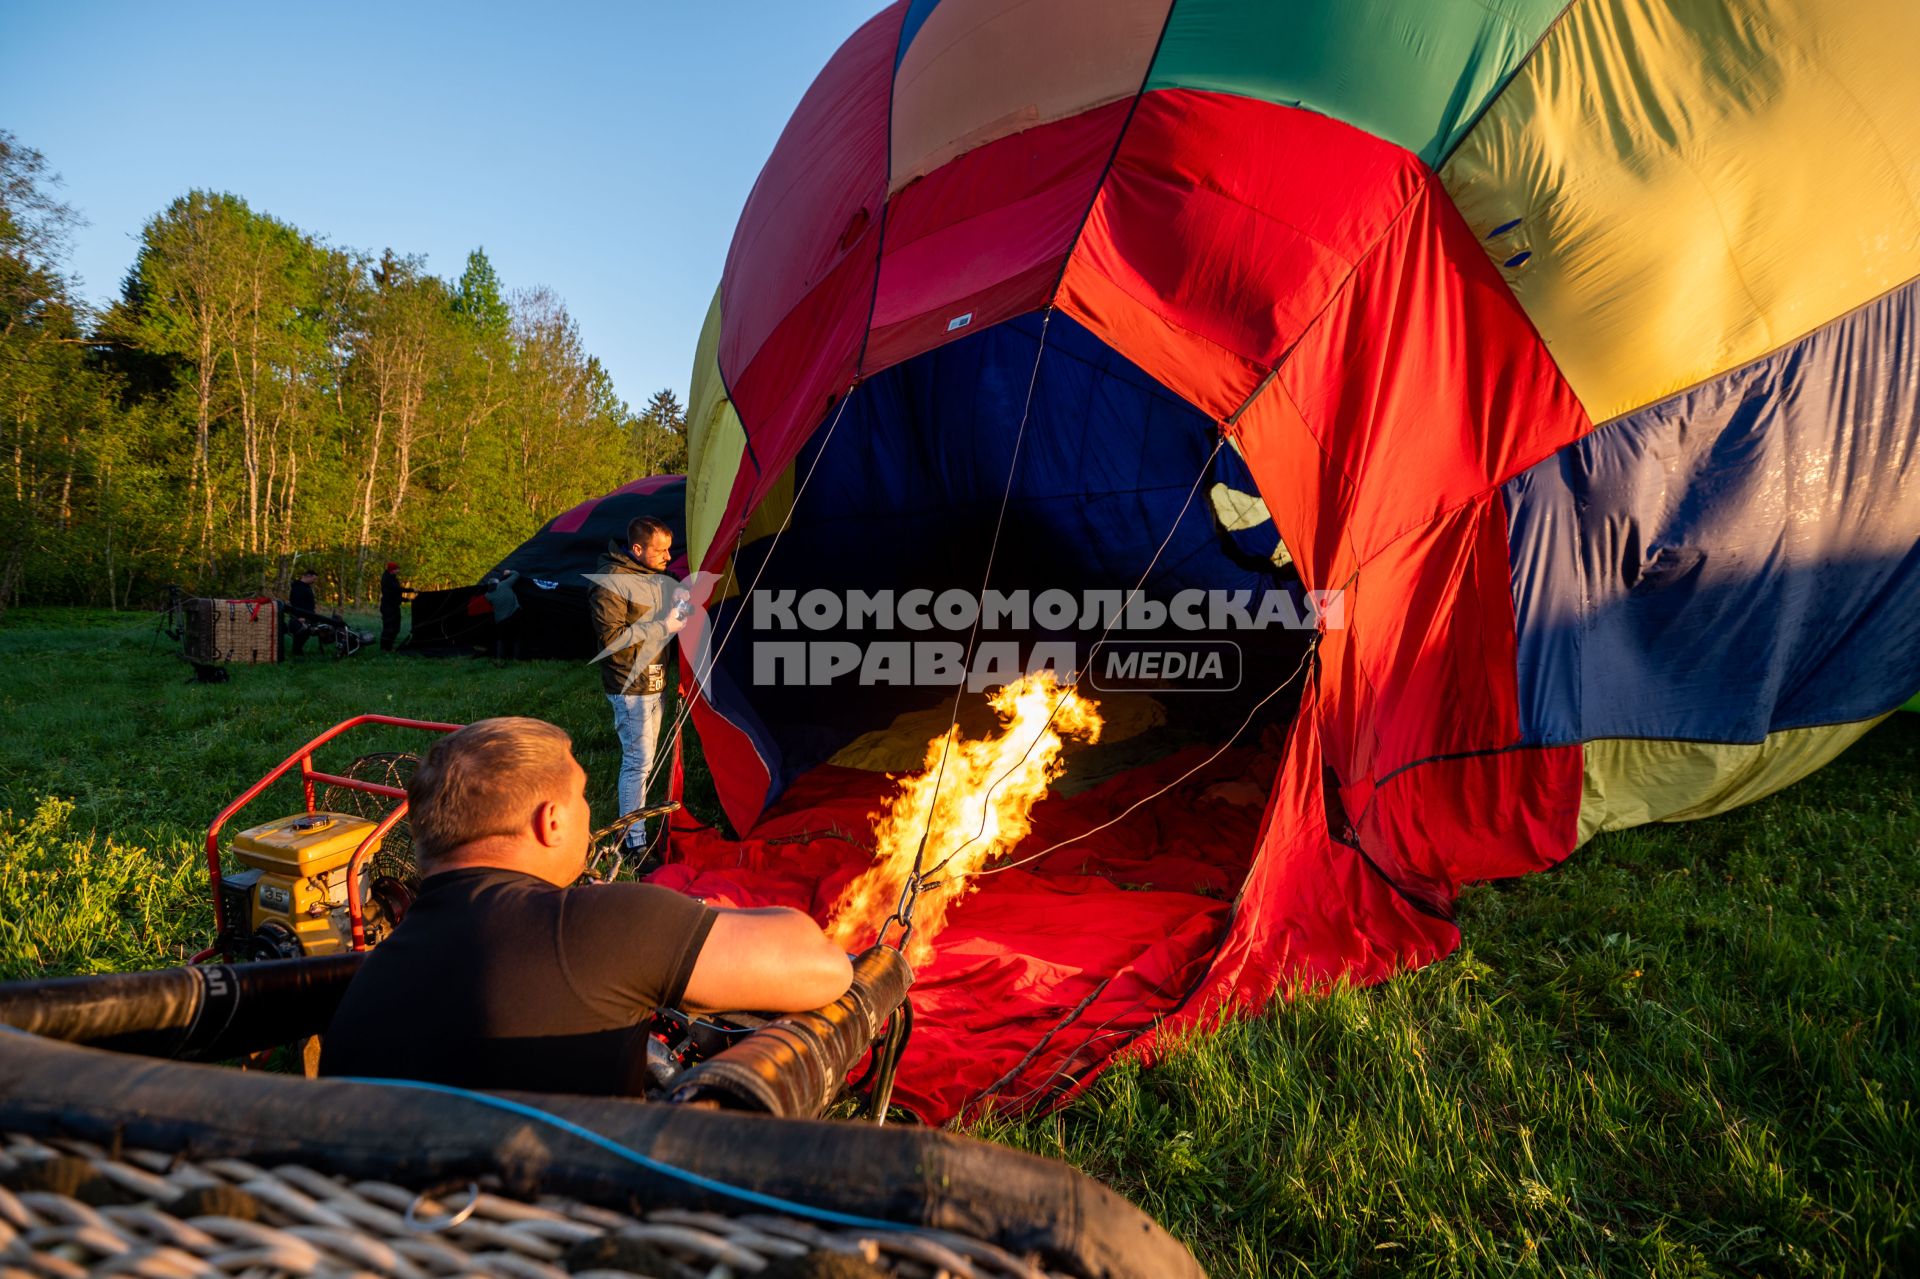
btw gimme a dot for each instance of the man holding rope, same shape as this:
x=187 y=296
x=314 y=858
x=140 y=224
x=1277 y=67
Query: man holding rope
x=635 y=615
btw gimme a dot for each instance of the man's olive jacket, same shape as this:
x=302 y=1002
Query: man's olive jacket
x=629 y=618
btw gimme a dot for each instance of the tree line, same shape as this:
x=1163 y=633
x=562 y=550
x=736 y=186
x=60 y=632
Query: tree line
x=258 y=401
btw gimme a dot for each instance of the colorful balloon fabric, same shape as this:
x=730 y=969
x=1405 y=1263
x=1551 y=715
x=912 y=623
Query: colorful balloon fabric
x=1574 y=343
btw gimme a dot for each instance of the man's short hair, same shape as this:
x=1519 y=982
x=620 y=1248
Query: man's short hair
x=641 y=528
x=485 y=779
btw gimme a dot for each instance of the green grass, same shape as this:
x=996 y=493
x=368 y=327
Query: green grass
x=1691 y=1050
x=112 y=764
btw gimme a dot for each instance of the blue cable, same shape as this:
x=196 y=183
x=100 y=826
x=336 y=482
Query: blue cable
x=634 y=1156
x=774 y=1202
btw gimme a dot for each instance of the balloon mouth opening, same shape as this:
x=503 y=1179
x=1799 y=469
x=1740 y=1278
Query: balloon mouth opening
x=1020 y=500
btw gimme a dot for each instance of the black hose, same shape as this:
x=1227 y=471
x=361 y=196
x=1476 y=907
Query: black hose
x=195 y=1013
x=918 y=1176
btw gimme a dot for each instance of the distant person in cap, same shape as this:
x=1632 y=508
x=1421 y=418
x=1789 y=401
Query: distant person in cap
x=303 y=608
x=391 y=595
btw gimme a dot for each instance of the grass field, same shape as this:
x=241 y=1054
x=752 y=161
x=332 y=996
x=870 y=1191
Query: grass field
x=1691 y=1050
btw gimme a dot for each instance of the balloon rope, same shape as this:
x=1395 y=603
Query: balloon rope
x=1298 y=668
x=686 y=703
x=1206 y=468
x=911 y=889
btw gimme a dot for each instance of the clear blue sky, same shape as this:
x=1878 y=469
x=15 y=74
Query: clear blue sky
x=601 y=150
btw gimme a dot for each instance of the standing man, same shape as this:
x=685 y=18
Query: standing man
x=506 y=614
x=391 y=593
x=303 y=608
x=633 y=618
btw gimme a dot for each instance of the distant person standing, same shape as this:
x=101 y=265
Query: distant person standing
x=304 y=608
x=506 y=613
x=391 y=595
x=634 y=615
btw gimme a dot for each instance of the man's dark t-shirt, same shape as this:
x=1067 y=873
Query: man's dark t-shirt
x=300 y=595
x=498 y=979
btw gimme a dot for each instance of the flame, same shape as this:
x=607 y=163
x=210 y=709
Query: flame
x=975 y=809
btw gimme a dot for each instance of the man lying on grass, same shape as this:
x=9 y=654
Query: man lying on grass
x=503 y=976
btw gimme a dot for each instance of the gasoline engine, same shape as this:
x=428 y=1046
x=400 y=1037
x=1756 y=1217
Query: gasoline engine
x=289 y=898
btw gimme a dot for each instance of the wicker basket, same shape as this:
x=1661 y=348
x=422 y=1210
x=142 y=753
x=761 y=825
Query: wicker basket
x=232 y=631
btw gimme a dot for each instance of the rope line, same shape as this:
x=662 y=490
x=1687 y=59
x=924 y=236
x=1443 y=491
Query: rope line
x=1206 y=468
x=1064 y=1070
x=686 y=703
x=685 y=707
x=911 y=889
x=1278 y=688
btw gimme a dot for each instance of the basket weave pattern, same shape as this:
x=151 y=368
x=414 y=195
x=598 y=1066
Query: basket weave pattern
x=158 y=1216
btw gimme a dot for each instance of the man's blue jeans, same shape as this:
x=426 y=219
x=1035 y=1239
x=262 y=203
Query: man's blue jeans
x=636 y=721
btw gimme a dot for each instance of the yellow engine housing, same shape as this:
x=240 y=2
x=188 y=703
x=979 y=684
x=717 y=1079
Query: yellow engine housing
x=303 y=863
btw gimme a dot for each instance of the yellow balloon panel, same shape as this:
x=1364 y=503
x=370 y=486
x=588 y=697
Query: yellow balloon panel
x=716 y=442
x=1627 y=782
x=1699 y=183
